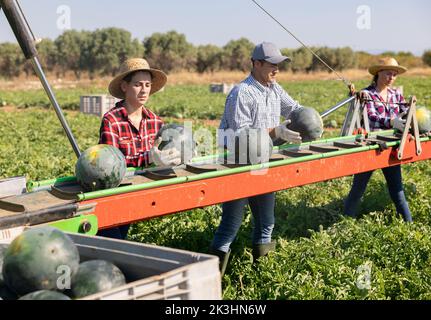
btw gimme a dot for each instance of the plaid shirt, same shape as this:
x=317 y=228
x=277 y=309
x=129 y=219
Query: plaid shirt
x=117 y=130
x=250 y=104
x=381 y=112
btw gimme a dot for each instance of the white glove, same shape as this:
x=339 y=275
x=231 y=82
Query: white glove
x=399 y=123
x=164 y=158
x=281 y=132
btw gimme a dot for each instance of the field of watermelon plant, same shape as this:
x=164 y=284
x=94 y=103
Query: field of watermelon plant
x=320 y=254
x=195 y=101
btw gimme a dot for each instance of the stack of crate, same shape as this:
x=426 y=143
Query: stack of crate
x=221 y=87
x=97 y=104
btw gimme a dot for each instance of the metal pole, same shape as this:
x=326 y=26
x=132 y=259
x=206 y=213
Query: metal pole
x=336 y=107
x=345 y=129
x=39 y=71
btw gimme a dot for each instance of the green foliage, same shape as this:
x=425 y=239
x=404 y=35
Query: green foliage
x=100 y=52
x=188 y=101
x=169 y=51
x=48 y=54
x=108 y=48
x=330 y=264
x=237 y=54
x=197 y=102
x=11 y=59
x=319 y=255
x=407 y=59
x=209 y=58
x=338 y=59
x=302 y=60
x=72 y=49
x=34 y=144
x=67 y=98
x=427 y=57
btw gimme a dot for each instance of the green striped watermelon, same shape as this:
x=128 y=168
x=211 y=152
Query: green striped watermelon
x=100 y=167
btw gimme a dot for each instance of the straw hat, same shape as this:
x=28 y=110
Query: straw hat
x=387 y=63
x=159 y=78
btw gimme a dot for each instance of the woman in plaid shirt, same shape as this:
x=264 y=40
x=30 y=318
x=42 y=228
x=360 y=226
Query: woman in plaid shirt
x=132 y=127
x=385 y=107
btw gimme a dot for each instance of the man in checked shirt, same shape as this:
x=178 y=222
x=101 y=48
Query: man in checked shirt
x=257 y=102
x=132 y=127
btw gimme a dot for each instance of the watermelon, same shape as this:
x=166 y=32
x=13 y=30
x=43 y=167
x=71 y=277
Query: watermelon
x=37 y=258
x=252 y=146
x=175 y=136
x=96 y=276
x=331 y=124
x=44 y=295
x=6 y=293
x=307 y=122
x=100 y=167
x=423 y=116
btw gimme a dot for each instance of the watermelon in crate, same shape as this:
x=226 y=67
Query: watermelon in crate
x=37 y=258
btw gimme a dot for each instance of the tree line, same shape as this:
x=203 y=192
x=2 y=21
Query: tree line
x=100 y=53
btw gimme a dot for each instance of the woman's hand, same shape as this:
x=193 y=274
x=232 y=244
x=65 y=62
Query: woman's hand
x=399 y=123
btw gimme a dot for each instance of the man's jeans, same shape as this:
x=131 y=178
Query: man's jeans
x=262 y=208
x=115 y=232
x=395 y=187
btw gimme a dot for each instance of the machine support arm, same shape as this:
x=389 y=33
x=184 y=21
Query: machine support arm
x=336 y=107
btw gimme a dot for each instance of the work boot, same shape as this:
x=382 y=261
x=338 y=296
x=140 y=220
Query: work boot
x=261 y=250
x=223 y=257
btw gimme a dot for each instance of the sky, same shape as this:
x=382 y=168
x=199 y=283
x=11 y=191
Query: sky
x=364 y=25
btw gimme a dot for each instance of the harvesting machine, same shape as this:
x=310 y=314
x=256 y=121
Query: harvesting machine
x=146 y=193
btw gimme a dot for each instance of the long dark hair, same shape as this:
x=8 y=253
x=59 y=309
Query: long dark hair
x=374 y=82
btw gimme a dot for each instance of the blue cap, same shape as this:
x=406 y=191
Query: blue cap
x=269 y=52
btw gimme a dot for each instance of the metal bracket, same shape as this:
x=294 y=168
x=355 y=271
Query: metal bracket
x=356 y=118
x=382 y=145
x=411 y=123
x=84 y=224
x=376 y=141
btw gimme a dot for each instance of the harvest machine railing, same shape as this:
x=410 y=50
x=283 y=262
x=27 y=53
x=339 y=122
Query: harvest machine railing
x=150 y=193
x=154 y=192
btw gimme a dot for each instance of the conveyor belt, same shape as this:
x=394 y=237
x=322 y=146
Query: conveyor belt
x=153 y=192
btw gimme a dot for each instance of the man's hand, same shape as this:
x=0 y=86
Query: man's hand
x=281 y=132
x=166 y=157
x=399 y=123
